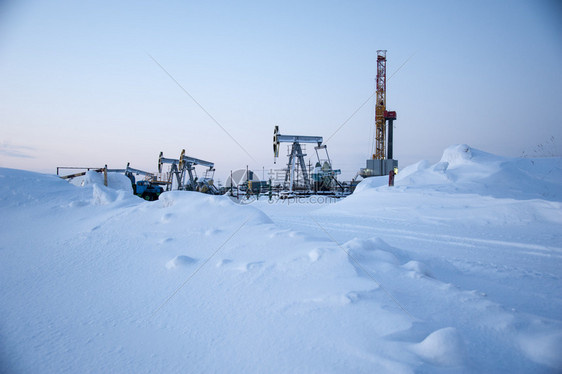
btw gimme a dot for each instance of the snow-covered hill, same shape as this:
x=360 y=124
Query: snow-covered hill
x=455 y=269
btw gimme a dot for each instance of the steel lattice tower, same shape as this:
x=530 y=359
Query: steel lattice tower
x=380 y=107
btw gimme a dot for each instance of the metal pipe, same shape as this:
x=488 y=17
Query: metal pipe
x=390 y=137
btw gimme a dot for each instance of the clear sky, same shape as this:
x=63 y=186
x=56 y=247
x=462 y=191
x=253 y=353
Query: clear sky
x=78 y=86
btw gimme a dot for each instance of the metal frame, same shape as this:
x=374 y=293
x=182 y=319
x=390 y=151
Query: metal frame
x=296 y=156
x=380 y=107
x=182 y=167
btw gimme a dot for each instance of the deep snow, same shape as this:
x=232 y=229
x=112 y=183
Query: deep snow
x=455 y=269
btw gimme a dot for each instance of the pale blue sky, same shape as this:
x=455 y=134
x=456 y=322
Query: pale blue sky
x=79 y=88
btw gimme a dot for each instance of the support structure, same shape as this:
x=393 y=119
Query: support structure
x=174 y=171
x=296 y=157
x=183 y=168
x=128 y=171
x=149 y=177
x=382 y=161
x=380 y=107
x=390 y=117
x=323 y=175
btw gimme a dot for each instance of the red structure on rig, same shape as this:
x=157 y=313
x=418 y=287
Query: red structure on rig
x=382 y=162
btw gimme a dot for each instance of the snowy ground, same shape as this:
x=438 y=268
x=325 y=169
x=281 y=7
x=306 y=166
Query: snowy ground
x=456 y=269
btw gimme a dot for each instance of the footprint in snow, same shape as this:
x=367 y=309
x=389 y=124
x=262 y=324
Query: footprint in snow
x=95 y=228
x=315 y=255
x=281 y=233
x=179 y=261
x=355 y=297
x=254 y=265
x=240 y=267
x=166 y=218
x=418 y=269
x=77 y=204
x=223 y=262
x=371 y=250
x=211 y=232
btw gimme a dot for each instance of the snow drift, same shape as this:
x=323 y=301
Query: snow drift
x=456 y=269
x=464 y=169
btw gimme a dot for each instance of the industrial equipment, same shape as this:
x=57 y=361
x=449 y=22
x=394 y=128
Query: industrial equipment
x=323 y=176
x=148 y=188
x=296 y=158
x=184 y=167
x=381 y=162
x=70 y=176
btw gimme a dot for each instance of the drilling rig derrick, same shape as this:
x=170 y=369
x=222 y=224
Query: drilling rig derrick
x=380 y=107
x=381 y=162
